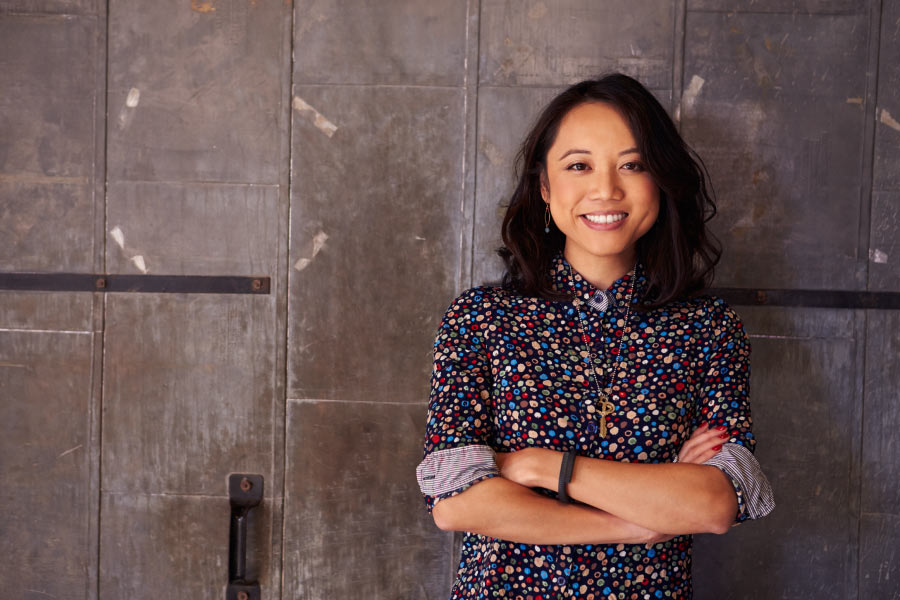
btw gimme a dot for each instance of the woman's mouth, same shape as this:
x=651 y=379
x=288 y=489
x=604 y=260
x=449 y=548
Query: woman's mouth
x=605 y=219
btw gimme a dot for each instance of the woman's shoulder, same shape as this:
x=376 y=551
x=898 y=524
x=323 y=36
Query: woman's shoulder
x=710 y=310
x=481 y=298
x=485 y=300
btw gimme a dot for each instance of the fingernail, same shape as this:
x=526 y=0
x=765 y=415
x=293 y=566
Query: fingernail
x=721 y=428
x=706 y=425
x=724 y=435
x=719 y=447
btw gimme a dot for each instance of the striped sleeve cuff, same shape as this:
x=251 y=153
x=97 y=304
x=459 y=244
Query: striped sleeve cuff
x=451 y=470
x=752 y=486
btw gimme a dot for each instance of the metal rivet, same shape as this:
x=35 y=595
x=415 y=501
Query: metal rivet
x=256 y=285
x=761 y=297
x=243 y=595
x=246 y=485
x=100 y=283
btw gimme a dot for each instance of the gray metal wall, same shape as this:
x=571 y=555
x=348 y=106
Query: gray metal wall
x=358 y=152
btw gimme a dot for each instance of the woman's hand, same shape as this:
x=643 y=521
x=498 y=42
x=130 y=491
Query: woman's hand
x=704 y=443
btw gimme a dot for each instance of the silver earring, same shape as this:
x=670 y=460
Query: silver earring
x=547 y=217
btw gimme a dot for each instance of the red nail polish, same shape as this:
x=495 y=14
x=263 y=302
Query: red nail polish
x=719 y=447
x=721 y=428
x=724 y=436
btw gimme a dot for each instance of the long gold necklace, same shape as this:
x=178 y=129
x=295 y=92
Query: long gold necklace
x=606 y=406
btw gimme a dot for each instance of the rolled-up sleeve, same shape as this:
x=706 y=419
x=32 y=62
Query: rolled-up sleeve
x=725 y=401
x=458 y=429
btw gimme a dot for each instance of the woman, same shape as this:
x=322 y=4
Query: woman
x=590 y=415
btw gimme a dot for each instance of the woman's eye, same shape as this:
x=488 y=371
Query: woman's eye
x=579 y=166
x=633 y=166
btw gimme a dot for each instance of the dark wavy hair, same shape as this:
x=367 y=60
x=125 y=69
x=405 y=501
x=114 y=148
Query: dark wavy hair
x=678 y=255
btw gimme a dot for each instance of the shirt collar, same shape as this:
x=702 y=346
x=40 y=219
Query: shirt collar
x=618 y=293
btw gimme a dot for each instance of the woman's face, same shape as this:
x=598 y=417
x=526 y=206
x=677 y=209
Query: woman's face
x=601 y=196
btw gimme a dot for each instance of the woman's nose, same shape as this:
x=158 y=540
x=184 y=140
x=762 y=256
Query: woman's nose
x=605 y=184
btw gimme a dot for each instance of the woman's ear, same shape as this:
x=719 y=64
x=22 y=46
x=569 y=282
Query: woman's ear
x=545 y=188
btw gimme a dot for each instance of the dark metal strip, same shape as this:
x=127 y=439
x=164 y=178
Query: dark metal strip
x=810 y=298
x=158 y=284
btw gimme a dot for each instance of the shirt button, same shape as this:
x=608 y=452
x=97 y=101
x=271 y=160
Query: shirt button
x=592 y=427
x=560 y=580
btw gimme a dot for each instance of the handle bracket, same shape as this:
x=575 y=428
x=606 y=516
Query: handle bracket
x=245 y=491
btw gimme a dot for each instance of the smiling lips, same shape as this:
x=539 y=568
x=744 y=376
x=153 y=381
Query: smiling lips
x=605 y=219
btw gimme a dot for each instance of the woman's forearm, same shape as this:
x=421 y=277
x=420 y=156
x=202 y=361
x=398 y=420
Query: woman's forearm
x=671 y=498
x=503 y=509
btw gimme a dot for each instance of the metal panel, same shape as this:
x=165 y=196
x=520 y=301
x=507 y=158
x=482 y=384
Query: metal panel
x=887 y=132
x=195 y=90
x=175 y=546
x=879 y=558
x=884 y=240
x=45 y=443
x=376 y=227
x=47 y=147
x=806 y=400
x=192 y=229
x=387 y=42
x=778 y=116
x=188 y=392
x=355 y=523
x=884 y=243
x=45 y=311
x=556 y=43
x=881 y=447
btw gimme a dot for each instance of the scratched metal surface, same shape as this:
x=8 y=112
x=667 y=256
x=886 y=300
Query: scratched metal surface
x=45 y=438
x=46 y=150
x=556 y=43
x=192 y=228
x=778 y=116
x=880 y=502
x=195 y=90
x=175 y=546
x=376 y=225
x=389 y=42
x=884 y=245
x=355 y=524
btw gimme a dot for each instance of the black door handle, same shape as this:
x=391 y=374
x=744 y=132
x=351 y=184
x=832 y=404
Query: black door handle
x=244 y=492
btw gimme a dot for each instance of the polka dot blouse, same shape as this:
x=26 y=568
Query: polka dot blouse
x=510 y=372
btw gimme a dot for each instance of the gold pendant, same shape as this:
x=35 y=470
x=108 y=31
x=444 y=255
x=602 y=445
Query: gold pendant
x=606 y=408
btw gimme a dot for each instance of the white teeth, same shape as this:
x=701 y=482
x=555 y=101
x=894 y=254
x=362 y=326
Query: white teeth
x=605 y=219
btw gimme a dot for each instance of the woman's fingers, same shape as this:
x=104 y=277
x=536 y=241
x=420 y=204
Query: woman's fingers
x=703 y=444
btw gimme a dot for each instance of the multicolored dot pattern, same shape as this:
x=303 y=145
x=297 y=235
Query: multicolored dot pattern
x=512 y=372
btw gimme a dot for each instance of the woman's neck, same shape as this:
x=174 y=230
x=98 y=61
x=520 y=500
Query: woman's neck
x=600 y=272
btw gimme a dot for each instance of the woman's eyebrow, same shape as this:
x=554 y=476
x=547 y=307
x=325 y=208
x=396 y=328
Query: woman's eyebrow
x=573 y=151
x=580 y=151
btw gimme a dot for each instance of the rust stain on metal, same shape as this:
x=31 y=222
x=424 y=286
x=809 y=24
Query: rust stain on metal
x=202 y=6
